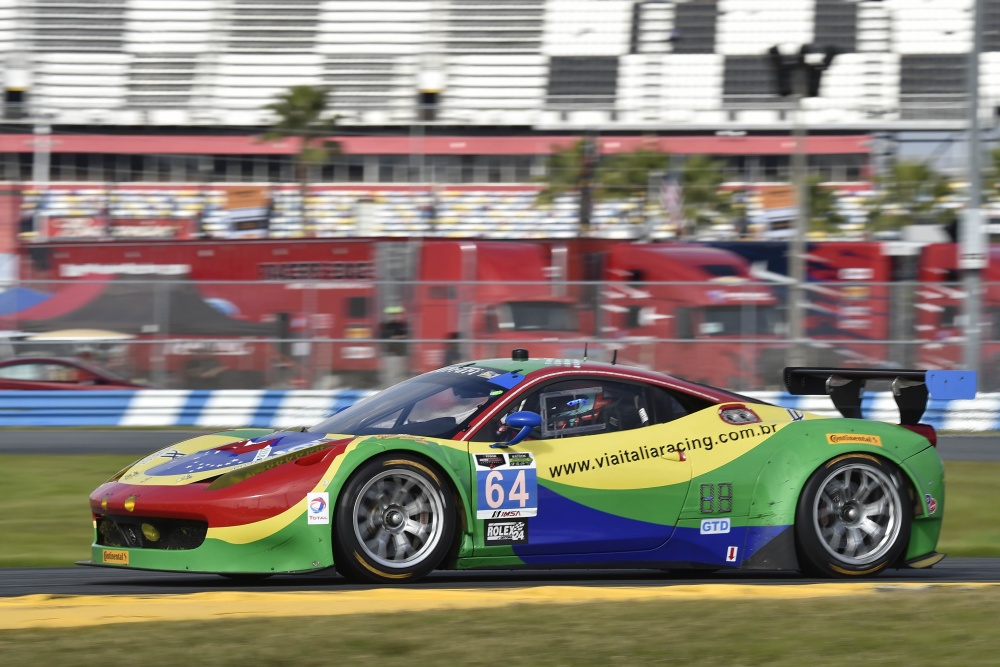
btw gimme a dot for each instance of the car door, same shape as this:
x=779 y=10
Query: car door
x=593 y=478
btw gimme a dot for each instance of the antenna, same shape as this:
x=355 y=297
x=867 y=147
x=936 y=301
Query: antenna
x=585 y=351
x=614 y=357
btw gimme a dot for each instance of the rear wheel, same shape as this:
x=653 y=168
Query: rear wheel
x=395 y=521
x=853 y=517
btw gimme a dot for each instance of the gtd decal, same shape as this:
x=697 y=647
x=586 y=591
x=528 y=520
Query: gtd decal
x=714 y=526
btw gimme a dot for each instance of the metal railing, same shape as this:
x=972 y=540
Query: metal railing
x=321 y=335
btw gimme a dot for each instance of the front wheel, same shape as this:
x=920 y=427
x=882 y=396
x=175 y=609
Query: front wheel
x=395 y=521
x=853 y=517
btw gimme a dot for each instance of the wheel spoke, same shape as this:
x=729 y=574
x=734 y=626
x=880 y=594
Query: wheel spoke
x=401 y=490
x=834 y=535
x=877 y=508
x=862 y=491
x=872 y=529
x=854 y=542
x=418 y=506
x=379 y=545
x=402 y=545
x=417 y=529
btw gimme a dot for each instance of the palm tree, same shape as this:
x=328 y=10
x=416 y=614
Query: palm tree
x=704 y=200
x=613 y=176
x=910 y=193
x=823 y=214
x=625 y=175
x=301 y=113
x=563 y=172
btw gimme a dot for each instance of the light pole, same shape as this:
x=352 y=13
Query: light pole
x=797 y=243
x=799 y=79
x=973 y=255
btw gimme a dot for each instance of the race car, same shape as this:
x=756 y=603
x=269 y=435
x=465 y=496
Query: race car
x=528 y=462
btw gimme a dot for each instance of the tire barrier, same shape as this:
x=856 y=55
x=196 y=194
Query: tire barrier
x=289 y=408
x=173 y=407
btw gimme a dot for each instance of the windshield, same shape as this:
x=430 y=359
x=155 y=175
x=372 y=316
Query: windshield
x=539 y=316
x=739 y=320
x=438 y=404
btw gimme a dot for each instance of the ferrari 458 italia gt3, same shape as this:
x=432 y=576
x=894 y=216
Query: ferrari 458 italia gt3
x=555 y=463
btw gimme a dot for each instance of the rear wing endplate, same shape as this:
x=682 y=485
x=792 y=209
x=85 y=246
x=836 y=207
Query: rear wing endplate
x=910 y=388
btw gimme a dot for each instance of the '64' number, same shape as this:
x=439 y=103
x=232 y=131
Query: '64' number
x=495 y=489
x=507 y=492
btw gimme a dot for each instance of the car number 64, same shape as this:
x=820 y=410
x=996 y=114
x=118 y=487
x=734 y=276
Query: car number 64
x=507 y=493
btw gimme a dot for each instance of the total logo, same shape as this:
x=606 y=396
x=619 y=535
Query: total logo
x=318 y=505
x=714 y=526
x=931 y=503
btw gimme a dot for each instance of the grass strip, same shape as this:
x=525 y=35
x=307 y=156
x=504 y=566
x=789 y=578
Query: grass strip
x=892 y=626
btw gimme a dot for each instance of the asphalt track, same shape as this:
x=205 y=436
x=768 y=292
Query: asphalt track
x=80 y=596
x=94 y=596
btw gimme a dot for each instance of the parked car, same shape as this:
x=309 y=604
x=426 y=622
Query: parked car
x=27 y=373
x=525 y=462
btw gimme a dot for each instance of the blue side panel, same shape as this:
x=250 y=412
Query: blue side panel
x=566 y=533
x=565 y=526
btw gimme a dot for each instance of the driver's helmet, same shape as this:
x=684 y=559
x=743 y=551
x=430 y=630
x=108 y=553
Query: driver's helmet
x=583 y=408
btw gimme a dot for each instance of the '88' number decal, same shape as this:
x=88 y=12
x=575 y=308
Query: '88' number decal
x=711 y=503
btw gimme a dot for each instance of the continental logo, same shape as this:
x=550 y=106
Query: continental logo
x=853 y=439
x=115 y=557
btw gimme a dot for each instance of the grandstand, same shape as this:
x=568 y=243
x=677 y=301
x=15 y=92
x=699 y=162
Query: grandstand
x=457 y=103
x=607 y=64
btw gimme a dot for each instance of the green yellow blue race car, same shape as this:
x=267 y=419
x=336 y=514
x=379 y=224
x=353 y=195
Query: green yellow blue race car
x=547 y=463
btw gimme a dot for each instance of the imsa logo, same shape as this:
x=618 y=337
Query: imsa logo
x=506 y=532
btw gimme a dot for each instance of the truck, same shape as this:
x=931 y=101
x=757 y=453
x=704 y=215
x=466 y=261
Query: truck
x=693 y=311
x=486 y=298
x=854 y=303
x=323 y=301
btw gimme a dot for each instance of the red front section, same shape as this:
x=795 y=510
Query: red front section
x=260 y=497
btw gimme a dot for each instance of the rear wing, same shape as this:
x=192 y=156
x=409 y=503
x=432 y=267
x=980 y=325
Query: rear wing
x=910 y=388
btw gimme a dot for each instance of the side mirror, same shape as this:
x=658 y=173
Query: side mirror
x=524 y=420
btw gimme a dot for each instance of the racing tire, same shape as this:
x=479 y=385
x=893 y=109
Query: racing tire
x=853 y=518
x=394 y=522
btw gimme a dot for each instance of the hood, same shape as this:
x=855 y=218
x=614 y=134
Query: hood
x=209 y=456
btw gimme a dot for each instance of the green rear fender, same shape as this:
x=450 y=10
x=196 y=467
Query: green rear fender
x=801 y=447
